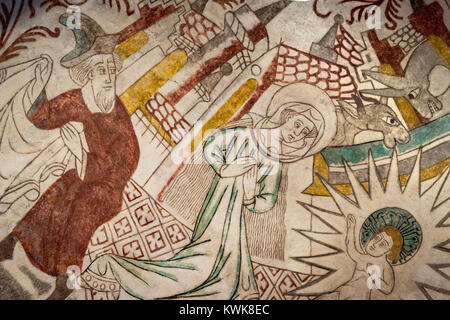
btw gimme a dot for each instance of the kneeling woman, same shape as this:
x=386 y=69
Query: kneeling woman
x=300 y=122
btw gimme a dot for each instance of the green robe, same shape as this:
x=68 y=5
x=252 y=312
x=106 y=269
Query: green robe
x=216 y=264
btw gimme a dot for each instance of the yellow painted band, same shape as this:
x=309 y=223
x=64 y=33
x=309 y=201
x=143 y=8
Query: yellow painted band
x=228 y=109
x=131 y=45
x=321 y=168
x=143 y=89
x=441 y=47
x=317 y=188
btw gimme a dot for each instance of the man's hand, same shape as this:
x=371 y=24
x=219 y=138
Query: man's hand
x=72 y=140
x=42 y=72
x=238 y=167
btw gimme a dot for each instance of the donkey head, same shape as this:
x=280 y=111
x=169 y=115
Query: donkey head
x=377 y=117
x=417 y=92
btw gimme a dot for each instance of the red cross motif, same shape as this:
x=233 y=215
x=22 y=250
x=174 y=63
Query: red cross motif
x=100 y=237
x=263 y=283
x=132 y=250
x=122 y=227
x=155 y=241
x=144 y=215
x=131 y=192
x=287 y=284
x=175 y=233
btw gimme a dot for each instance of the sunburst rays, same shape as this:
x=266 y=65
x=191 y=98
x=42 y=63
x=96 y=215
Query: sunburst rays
x=427 y=274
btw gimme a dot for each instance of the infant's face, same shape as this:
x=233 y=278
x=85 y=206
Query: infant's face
x=379 y=245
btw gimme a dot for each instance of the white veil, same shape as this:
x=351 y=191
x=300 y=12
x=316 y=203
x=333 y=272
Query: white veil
x=31 y=159
x=316 y=105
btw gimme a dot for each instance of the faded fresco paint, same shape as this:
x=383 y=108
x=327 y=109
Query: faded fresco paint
x=222 y=149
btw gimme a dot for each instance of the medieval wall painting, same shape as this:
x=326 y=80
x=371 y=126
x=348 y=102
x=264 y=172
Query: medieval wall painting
x=219 y=149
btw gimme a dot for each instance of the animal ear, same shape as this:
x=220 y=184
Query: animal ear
x=359 y=105
x=386 y=92
x=348 y=110
x=351 y=116
x=388 y=80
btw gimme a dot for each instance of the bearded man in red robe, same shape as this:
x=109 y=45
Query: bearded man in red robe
x=97 y=129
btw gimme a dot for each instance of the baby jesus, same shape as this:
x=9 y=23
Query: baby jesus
x=373 y=263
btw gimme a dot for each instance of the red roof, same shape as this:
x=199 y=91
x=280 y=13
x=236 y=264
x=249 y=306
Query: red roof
x=297 y=66
x=198 y=28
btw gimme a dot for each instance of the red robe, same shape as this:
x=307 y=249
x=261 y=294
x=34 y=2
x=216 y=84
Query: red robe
x=56 y=231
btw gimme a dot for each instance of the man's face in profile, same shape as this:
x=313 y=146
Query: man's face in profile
x=103 y=81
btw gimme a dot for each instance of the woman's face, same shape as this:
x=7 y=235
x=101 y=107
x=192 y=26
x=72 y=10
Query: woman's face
x=296 y=127
x=379 y=245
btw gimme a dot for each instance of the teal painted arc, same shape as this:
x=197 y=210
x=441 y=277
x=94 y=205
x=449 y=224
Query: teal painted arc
x=84 y=37
x=420 y=137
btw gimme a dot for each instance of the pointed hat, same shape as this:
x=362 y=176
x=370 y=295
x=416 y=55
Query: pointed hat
x=90 y=40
